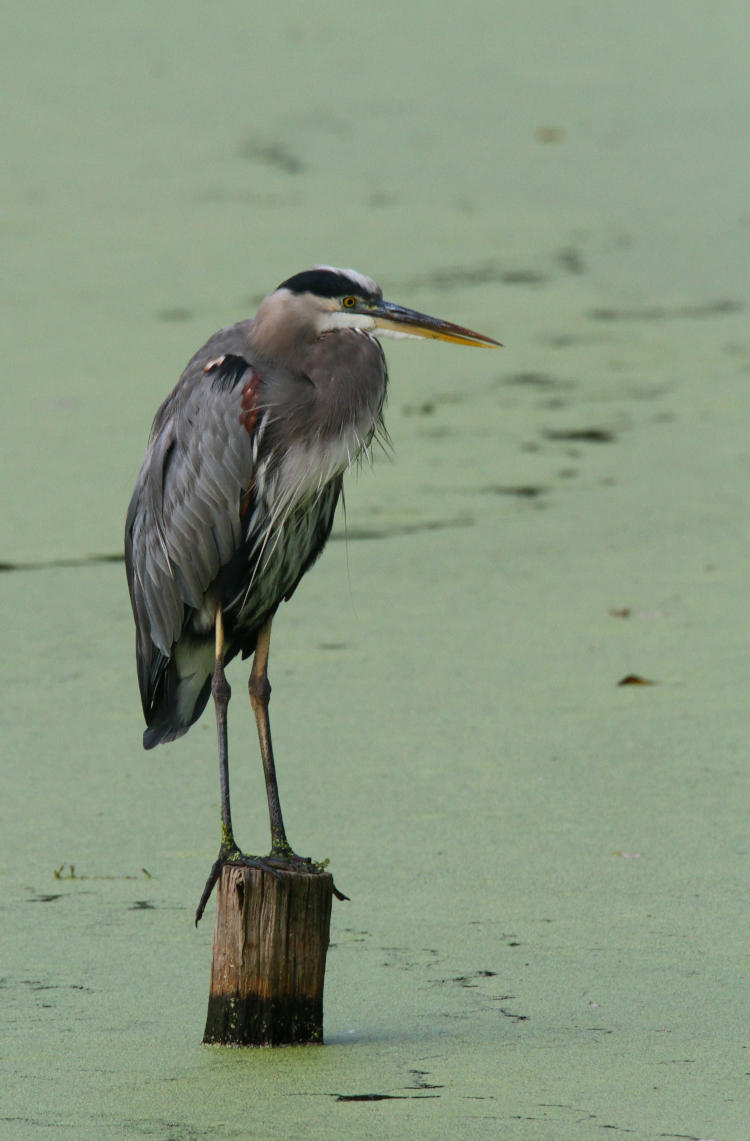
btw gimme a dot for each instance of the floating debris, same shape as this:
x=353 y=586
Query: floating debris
x=582 y=435
x=635 y=679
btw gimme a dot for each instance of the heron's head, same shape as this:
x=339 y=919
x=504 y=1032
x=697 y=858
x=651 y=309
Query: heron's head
x=324 y=300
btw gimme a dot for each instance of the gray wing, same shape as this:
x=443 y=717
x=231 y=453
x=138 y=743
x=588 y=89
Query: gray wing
x=183 y=523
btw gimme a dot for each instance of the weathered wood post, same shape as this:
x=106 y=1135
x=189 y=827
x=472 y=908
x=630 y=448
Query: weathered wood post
x=269 y=957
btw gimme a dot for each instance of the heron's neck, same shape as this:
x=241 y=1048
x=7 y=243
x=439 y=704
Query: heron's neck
x=323 y=416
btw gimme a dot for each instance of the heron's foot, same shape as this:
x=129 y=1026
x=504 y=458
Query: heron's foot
x=278 y=860
x=282 y=857
x=228 y=854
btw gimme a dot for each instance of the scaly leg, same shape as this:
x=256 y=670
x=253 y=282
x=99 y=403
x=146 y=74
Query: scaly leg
x=281 y=854
x=260 y=693
x=228 y=851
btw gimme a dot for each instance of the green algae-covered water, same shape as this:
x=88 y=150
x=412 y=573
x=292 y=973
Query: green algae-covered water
x=548 y=928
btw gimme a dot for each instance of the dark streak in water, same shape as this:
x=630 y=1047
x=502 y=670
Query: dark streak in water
x=582 y=435
x=531 y=379
x=395 y=530
x=352 y=534
x=663 y=313
x=49 y=564
x=370 y=1097
x=419 y=1080
x=571 y=260
x=521 y=490
x=273 y=154
x=483 y=273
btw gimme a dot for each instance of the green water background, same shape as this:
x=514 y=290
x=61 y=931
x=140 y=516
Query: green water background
x=548 y=932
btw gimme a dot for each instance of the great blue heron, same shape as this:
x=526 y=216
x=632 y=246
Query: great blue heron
x=236 y=497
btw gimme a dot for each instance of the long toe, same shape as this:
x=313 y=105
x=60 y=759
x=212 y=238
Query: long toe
x=233 y=856
x=213 y=875
x=290 y=860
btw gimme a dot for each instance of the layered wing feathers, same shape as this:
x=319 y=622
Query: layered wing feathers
x=184 y=522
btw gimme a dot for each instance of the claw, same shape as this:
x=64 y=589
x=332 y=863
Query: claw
x=228 y=856
x=213 y=875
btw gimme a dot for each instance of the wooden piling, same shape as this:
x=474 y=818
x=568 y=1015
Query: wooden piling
x=269 y=955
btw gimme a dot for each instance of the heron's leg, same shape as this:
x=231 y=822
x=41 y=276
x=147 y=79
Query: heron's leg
x=260 y=692
x=228 y=850
x=281 y=854
x=222 y=691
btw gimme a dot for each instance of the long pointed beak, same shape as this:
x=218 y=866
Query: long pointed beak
x=408 y=322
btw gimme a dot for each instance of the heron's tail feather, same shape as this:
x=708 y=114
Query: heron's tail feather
x=159 y=734
x=176 y=690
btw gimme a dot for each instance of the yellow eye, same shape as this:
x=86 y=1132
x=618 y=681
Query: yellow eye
x=348 y=302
